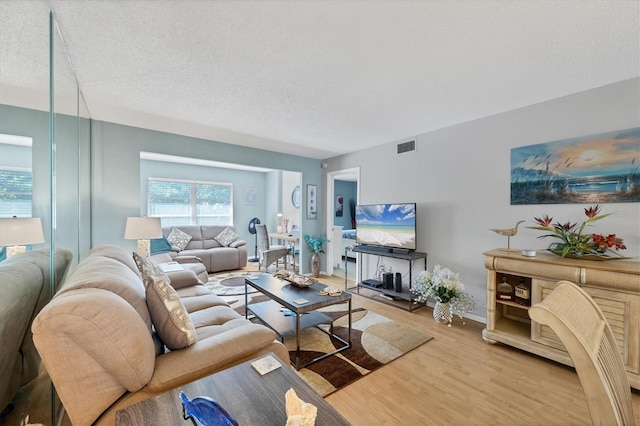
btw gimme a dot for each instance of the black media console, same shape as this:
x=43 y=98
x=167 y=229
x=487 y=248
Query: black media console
x=398 y=290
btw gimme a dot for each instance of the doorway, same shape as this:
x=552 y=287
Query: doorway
x=335 y=252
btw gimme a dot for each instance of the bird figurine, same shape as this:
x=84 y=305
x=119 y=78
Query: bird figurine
x=508 y=232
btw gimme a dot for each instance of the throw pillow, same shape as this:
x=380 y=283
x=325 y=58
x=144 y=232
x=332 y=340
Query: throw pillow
x=169 y=316
x=148 y=268
x=160 y=245
x=179 y=239
x=226 y=237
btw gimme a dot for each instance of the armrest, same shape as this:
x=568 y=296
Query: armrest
x=238 y=243
x=188 y=259
x=208 y=355
x=184 y=278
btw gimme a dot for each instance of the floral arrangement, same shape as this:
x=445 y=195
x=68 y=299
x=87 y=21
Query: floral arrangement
x=316 y=244
x=574 y=241
x=444 y=286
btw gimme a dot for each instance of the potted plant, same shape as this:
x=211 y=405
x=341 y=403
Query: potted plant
x=316 y=244
x=445 y=287
x=574 y=242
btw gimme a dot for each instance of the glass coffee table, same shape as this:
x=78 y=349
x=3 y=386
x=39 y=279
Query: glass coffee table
x=302 y=303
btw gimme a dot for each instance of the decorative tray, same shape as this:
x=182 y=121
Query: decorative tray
x=295 y=279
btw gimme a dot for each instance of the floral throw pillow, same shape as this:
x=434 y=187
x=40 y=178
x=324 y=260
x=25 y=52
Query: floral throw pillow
x=226 y=237
x=169 y=316
x=179 y=239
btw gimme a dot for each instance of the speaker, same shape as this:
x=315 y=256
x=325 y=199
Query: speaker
x=398 y=282
x=387 y=279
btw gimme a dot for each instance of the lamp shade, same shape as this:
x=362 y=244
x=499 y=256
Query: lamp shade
x=142 y=228
x=20 y=231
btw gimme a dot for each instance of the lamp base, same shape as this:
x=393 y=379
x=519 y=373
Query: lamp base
x=144 y=247
x=11 y=250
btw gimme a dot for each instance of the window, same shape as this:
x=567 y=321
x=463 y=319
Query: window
x=15 y=193
x=179 y=202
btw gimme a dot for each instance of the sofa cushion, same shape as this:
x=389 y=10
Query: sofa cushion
x=98 y=271
x=168 y=314
x=226 y=237
x=179 y=239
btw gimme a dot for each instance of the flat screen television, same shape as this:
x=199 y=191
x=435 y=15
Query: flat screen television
x=387 y=225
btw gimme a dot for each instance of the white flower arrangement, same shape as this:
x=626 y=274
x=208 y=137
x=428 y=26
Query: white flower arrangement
x=444 y=286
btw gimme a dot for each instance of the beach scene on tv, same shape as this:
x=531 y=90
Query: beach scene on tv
x=388 y=225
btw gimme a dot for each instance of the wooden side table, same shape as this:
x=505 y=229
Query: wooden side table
x=250 y=398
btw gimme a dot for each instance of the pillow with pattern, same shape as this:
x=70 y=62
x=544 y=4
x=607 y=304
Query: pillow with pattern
x=226 y=237
x=179 y=239
x=169 y=316
x=147 y=267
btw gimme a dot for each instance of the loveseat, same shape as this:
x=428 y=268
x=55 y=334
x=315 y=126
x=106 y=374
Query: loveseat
x=206 y=243
x=24 y=290
x=113 y=336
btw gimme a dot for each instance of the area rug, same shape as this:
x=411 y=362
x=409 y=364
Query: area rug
x=231 y=283
x=375 y=341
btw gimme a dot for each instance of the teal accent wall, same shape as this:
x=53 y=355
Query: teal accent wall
x=72 y=159
x=116 y=175
x=348 y=190
x=240 y=179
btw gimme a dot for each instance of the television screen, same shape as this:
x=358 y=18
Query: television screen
x=387 y=225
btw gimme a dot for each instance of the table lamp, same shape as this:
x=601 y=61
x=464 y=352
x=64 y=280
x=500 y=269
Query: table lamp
x=16 y=233
x=143 y=229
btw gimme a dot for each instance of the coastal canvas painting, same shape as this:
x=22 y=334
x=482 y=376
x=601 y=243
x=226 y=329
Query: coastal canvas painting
x=601 y=168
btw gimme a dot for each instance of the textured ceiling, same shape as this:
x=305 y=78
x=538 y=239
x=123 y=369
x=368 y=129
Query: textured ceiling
x=316 y=78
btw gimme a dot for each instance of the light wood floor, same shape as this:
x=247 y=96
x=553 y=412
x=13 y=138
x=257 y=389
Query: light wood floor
x=455 y=379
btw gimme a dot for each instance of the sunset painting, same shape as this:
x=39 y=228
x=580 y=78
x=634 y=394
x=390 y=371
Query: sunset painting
x=602 y=168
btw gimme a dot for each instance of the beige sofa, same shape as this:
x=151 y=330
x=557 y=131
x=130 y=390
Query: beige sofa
x=101 y=349
x=24 y=290
x=203 y=244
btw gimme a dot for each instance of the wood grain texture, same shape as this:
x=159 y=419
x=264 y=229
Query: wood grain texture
x=249 y=398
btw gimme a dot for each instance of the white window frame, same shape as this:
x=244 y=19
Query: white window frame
x=193 y=210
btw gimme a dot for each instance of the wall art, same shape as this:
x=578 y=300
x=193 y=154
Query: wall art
x=339 y=205
x=251 y=196
x=601 y=168
x=312 y=208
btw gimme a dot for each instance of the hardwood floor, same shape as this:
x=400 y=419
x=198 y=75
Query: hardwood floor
x=455 y=379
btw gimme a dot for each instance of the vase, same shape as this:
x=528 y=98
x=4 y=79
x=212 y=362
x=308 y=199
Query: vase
x=442 y=312
x=315 y=265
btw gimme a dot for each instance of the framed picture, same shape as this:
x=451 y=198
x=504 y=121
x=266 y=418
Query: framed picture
x=251 y=196
x=312 y=206
x=339 y=205
x=600 y=168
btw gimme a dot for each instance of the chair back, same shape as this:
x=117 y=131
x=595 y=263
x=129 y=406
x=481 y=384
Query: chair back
x=263 y=237
x=581 y=326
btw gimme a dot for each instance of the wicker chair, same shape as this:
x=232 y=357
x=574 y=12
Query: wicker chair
x=579 y=323
x=269 y=254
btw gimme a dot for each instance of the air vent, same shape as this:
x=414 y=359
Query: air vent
x=406 y=147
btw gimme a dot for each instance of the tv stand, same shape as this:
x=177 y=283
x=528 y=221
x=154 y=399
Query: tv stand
x=405 y=293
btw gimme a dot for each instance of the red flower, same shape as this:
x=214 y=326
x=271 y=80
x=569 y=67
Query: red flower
x=592 y=212
x=544 y=221
x=610 y=241
x=600 y=241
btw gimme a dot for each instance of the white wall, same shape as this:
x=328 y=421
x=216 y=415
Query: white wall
x=460 y=178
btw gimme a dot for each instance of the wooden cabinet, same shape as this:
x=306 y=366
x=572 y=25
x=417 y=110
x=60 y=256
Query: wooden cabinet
x=614 y=285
